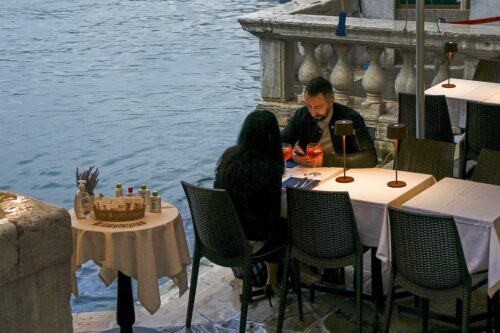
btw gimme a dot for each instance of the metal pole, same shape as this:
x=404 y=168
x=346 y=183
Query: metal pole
x=420 y=91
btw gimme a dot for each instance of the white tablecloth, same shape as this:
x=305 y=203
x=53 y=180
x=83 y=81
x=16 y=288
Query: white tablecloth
x=146 y=252
x=465 y=90
x=476 y=209
x=370 y=196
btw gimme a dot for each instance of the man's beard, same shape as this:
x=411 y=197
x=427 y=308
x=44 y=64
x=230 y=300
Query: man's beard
x=323 y=117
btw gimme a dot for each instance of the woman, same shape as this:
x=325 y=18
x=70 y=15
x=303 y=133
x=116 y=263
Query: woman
x=251 y=173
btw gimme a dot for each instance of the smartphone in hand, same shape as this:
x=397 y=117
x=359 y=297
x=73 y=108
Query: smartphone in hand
x=299 y=152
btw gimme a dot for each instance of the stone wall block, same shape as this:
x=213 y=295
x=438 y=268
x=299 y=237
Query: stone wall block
x=35 y=266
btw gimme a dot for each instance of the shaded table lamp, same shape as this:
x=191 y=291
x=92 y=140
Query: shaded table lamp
x=449 y=49
x=344 y=128
x=396 y=132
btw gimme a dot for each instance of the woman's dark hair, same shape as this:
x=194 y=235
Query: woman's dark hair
x=259 y=137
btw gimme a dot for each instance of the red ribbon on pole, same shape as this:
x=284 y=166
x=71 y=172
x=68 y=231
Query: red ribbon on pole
x=478 y=21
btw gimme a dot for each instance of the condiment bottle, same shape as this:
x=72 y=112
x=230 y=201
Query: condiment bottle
x=82 y=201
x=155 y=203
x=144 y=193
x=130 y=192
x=118 y=190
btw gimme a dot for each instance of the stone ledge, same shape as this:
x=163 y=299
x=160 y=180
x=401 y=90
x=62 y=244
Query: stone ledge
x=33 y=235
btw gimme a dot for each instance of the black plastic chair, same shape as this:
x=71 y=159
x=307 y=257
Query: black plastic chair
x=428 y=261
x=323 y=233
x=427 y=156
x=437 y=117
x=481 y=131
x=220 y=238
x=487 y=169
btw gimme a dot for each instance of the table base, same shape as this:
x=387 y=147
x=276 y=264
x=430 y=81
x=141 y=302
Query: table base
x=134 y=330
x=125 y=312
x=345 y=179
x=396 y=183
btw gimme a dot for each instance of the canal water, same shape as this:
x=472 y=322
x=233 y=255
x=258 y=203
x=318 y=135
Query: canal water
x=147 y=91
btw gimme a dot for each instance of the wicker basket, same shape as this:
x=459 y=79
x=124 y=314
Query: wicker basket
x=119 y=216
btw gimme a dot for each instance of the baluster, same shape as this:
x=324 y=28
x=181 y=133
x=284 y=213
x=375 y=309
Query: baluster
x=298 y=57
x=442 y=68
x=309 y=68
x=342 y=77
x=323 y=53
x=374 y=81
x=406 y=80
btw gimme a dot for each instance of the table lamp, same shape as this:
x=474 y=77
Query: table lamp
x=344 y=128
x=449 y=49
x=396 y=132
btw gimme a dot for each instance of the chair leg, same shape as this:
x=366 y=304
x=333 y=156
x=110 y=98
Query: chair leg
x=284 y=292
x=311 y=294
x=489 y=304
x=458 y=311
x=358 y=275
x=296 y=274
x=466 y=310
x=388 y=308
x=192 y=288
x=246 y=295
x=496 y=311
x=425 y=315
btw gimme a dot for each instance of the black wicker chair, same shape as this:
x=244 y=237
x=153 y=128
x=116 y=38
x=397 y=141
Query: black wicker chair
x=220 y=238
x=481 y=131
x=323 y=233
x=428 y=261
x=487 y=169
x=427 y=156
x=437 y=117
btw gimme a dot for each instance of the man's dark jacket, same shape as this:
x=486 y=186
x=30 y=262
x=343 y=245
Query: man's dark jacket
x=360 y=149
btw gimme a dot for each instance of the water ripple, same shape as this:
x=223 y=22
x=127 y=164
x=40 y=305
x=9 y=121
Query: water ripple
x=149 y=91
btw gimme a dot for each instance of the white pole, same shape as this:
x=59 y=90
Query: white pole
x=420 y=91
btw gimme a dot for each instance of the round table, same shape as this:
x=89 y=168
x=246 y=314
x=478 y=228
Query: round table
x=145 y=249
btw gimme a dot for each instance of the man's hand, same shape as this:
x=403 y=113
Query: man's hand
x=299 y=156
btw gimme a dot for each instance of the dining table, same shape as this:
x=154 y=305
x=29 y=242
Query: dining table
x=144 y=249
x=475 y=208
x=465 y=90
x=370 y=197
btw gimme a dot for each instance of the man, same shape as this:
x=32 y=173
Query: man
x=315 y=122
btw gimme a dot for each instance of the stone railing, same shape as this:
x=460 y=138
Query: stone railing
x=285 y=29
x=35 y=266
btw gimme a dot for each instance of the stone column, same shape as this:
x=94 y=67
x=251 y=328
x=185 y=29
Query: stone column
x=323 y=53
x=35 y=266
x=277 y=69
x=342 y=77
x=309 y=68
x=441 y=68
x=406 y=80
x=374 y=81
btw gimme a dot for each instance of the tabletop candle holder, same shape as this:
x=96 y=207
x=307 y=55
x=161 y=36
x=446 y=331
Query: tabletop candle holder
x=344 y=128
x=396 y=132
x=449 y=48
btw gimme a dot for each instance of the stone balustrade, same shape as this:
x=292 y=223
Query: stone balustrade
x=35 y=266
x=285 y=29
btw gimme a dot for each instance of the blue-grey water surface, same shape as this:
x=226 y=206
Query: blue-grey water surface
x=148 y=91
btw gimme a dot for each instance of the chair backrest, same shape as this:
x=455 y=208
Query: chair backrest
x=321 y=224
x=482 y=128
x=427 y=156
x=487 y=169
x=216 y=223
x=426 y=250
x=437 y=117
